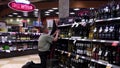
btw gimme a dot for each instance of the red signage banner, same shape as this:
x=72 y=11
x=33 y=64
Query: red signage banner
x=21 y=6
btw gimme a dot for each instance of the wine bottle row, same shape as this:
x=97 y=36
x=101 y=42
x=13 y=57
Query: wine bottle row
x=99 y=51
x=18 y=36
x=107 y=32
x=112 y=10
x=17 y=47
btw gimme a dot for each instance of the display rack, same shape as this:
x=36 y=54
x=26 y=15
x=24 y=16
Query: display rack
x=71 y=41
x=18 y=44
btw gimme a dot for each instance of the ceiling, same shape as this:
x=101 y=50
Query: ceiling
x=3 y=5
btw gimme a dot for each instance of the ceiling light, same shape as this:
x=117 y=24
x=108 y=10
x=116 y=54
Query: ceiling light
x=72 y=13
x=50 y=10
x=11 y=20
x=76 y=9
x=55 y=8
x=57 y=12
x=47 y=14
x=91 y=8
x=15 y=13
x=28 y=20
x=18 y=16
x=10 y=15
x=17 y=20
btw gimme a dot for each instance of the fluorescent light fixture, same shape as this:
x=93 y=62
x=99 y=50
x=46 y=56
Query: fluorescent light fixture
x=15 y=13
x=10 y=15
x=47 y=12
x=76 y=9
x=72 y=13
x=57 y=12
x=55 y=8
x=18 y=16
x=50 y=10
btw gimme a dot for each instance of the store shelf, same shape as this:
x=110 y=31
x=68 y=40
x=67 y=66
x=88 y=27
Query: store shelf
x=11 y=41
x=91 y=40
x=26 y=33
x=64 y=25
x=90 y=59
x=110 y=19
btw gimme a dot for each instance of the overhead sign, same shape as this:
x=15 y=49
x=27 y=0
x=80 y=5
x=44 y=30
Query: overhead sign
x=21 y=6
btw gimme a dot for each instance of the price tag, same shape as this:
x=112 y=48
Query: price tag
x=77 y=56
x=100 y=52
x=109 y=66
x=92 y=60
x=77 y=25
x=106 y=53
x=94 y=49
x=73 y=25
x=83 y=57
x=69 y=54
x=74 y=41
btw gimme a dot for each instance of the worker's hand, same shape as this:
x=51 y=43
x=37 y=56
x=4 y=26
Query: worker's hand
x=58 y=31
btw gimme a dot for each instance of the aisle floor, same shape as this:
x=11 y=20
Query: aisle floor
x=18 y=62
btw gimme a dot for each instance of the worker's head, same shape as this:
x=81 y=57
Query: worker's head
x=45 y=30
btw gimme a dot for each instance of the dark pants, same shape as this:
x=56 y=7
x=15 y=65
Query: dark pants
x=43 y=56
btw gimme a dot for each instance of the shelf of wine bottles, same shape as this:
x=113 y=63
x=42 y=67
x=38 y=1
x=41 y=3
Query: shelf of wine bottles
x=14 y=42
x=78 y=61
x=92 y=39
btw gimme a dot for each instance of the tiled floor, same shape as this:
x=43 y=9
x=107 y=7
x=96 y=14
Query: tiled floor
x=18 y=62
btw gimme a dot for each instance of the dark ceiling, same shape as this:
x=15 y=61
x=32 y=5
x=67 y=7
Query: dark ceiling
x=3 y=5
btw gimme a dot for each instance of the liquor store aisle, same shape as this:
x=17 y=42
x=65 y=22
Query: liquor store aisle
x=18 y=62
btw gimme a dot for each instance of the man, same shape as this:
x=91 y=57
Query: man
x=44 y=43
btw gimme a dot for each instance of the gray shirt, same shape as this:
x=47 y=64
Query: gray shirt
x=44 y=42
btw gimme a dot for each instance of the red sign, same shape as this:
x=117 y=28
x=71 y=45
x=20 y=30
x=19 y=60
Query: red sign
x=21 y=7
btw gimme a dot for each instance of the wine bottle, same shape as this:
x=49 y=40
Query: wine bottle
x=107 y=12
x=118 y=10
x=106 y=33
x=113 y=11
x=100 y=32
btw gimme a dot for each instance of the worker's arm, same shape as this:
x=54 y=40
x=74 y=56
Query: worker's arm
x=56 y=35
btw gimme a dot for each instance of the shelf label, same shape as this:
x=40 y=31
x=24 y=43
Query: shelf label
x=77 y=56
x=109 y=66
x=69 y=54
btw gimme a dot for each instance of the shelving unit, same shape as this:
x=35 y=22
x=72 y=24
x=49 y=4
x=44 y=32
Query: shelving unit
x=102 y=20
x=18 y=44
x=89 y=59
x=69 y=42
